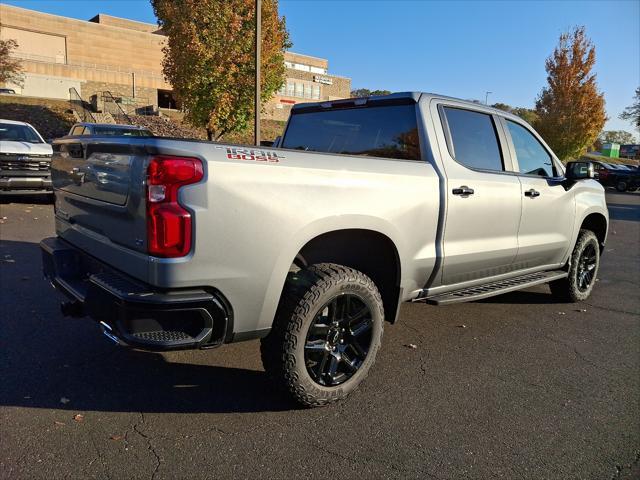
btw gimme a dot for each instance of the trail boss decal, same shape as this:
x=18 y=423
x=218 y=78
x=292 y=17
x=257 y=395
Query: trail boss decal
x=254 y=155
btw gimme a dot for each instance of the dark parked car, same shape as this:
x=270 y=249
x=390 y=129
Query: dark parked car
x=627 y=179
x=107 y=129
x=605 y=172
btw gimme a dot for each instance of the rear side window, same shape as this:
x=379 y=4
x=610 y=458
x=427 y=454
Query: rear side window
x=532 y=157
x=474 y=139
x=385 y=131
x=77 y=130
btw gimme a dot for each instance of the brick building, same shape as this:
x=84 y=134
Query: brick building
x=124 y=58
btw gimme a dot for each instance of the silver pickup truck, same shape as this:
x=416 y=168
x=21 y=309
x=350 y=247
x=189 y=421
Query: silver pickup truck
x=312 y=244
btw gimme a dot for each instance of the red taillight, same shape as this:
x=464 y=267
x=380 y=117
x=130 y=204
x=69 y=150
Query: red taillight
x=168 y=223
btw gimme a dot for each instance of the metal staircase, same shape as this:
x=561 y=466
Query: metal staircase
x=80 y=108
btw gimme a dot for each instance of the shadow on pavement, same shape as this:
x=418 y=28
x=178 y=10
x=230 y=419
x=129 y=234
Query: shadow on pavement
x=35 y=199
x=44 y=357
x=522 y=297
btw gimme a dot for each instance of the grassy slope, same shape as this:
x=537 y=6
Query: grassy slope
x=52 y=118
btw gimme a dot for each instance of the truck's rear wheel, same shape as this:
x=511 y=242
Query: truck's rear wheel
x=585 y=261
x=326 y=333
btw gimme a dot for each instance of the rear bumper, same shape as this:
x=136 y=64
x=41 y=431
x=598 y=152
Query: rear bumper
x=22 y=185
x=130 y=312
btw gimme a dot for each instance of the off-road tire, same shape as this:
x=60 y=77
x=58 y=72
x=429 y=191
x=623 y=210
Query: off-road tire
x=567 y=289
x=305 y=293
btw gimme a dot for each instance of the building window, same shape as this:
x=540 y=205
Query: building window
x=315 y=92
x=299 y=92
x=290 y=88
x=322 y=71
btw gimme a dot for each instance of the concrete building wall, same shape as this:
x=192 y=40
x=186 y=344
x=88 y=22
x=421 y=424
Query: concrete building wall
x=124 y=57
x=46 y=86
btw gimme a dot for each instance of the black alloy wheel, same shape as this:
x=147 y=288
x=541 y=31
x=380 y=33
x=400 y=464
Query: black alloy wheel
x=587 y=264
x=338 y=340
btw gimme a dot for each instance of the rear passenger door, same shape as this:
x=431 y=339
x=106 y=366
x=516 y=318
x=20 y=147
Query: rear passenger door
x=548 y=210
x=483 y=197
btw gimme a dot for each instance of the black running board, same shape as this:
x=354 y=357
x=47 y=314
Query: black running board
x=491 y=289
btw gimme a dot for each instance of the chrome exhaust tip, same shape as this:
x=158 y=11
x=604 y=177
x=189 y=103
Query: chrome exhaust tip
x=107 y=331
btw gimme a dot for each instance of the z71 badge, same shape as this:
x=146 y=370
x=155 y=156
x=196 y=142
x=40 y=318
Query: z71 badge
x=234 y=153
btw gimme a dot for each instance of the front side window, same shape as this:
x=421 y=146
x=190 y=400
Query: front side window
x=474 y=139
x=385 y=131
x=533 y=158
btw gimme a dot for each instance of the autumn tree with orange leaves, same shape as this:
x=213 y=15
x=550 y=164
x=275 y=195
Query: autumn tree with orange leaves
x=209 y=59
x=570 y=108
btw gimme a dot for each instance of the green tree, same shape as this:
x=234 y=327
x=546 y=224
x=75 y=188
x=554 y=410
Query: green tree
x=209 y=59
x=10 y=67
x=570 y=108
x=527 y=114
x=365 y=92
x=632 y=112
x=616 y=136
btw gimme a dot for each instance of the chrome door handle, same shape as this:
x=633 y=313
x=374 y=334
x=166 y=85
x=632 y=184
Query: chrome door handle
x=532 y=193
x=463 y=191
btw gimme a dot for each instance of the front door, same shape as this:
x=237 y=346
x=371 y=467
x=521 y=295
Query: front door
x=548 y=209
x=483 y=201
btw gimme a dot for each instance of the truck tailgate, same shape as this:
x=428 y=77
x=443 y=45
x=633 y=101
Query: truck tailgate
x=100 y=195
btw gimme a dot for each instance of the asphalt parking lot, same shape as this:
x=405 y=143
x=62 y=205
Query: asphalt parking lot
x=511 y=387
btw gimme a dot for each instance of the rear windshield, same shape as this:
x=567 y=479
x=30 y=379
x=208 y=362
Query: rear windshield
x=385 y=131
x=126 y=132
x=11 y=132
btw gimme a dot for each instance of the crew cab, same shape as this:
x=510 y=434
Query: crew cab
x=313 y=245
x=25 y=160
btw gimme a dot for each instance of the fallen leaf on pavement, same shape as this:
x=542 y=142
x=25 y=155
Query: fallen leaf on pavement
x=462 y=326
x=78 y=418
x=561 y=313
x=411 y=345
x=116 y=437
x=59 y=423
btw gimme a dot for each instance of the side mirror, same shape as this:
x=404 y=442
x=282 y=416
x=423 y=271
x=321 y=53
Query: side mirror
x=580 y=171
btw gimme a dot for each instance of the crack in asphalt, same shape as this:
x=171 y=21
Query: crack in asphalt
x=99 y=457
x=576 y=353
x=149 y=443
x=609 y=309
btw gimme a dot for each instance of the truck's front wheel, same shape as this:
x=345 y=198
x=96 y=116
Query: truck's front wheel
x=585 y=261
x=326 y=333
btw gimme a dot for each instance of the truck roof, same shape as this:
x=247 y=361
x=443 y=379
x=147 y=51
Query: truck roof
x=393 y=98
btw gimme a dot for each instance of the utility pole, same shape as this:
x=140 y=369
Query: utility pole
x=256 y=125
x=486 y=98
